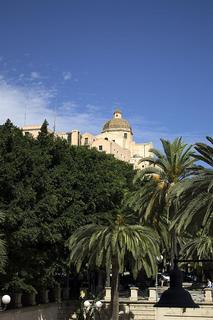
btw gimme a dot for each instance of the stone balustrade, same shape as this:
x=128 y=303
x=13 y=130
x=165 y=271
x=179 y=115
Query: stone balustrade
x=208 y=295
x=153 y=294
x=58 y=295
x=134 y=294
x=107 y=294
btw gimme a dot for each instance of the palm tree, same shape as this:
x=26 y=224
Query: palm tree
x=110 y=245
x=153 y=185
x=200 y=247
x=195 y=201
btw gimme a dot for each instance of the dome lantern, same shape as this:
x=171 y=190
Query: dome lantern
x=117 y=114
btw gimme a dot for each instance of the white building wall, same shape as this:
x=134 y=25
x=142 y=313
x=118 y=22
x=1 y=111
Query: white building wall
x=117 y=137
x=87 y=139
x=116 y=141
x=111 y=147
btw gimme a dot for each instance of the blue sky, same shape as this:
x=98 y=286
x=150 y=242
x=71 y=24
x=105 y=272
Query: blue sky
x=79 y=60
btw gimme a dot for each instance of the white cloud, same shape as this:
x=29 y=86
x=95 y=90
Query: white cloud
x=92 y=108
x=67 y=107
x=67 y=75
x=151 y=131
x=16 y=101
x=31 y=104
x=35 y=75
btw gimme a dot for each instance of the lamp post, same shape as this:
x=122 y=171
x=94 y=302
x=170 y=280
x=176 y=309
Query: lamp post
x=91 y=308
x=176 y=296
x=5 y=300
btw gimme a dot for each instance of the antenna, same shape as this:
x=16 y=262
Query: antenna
x=54 y=121
x=25 y=111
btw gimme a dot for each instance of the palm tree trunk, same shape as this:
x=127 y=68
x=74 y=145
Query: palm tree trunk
x=115 y=289
x=107 y=283
x=173 y=248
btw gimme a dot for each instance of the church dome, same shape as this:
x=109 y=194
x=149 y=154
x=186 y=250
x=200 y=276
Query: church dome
x=117 y=123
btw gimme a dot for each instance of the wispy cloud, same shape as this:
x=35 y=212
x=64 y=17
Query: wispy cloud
x=32 y=103
x=35 y=75
x=153 y=131
x=92 y=108
x=67 y=75
x=21 y=104
x=25 y=99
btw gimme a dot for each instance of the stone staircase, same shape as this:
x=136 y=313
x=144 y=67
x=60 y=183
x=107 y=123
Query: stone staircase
x=142 y=312
x=197 y=295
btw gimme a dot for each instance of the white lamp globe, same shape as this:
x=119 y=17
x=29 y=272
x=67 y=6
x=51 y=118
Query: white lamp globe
x=98 y=304
x=6 y=299
x=86 y=304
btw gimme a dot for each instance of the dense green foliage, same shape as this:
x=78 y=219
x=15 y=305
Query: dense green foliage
x=2 y=247
x=47 y=190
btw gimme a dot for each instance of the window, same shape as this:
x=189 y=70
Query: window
x=69 y=138
x=86 y=141
x=125 y=135
x=100 y=148
x=105 y=138
x=113 y=140
x=26 y=133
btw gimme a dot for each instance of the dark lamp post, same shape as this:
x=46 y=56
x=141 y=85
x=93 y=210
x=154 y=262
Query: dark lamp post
x=176 y=296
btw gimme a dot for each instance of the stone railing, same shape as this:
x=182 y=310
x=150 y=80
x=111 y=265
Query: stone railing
x=19 y=300
x=131 y=307
x=204 y=296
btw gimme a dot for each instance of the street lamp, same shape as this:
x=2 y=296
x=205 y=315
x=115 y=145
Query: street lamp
x=5 y=300
x=89 y=311
x=92 y=307
x=176 y=296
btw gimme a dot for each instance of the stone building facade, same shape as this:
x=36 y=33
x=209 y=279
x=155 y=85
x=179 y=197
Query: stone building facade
x=115 y=138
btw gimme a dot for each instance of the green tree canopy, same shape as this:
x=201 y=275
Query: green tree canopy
x=47 y=190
